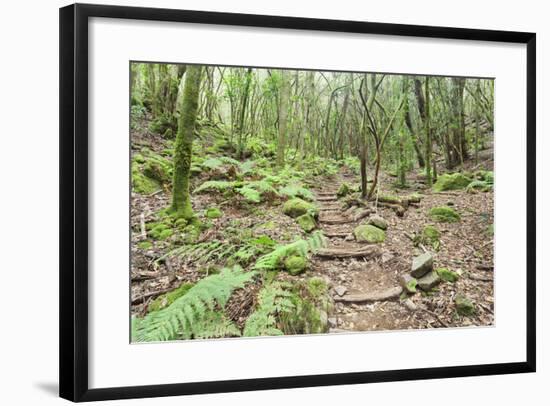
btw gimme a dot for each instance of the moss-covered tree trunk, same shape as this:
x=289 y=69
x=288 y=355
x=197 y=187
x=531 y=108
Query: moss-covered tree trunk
x=181 y=202
x=283 y=114
x=428 y=134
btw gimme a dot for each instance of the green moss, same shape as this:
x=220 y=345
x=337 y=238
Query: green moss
x=295 y=264
x=430 y=236
x=317 y=287
x=213 y=213
x=451 y=181
x=343 y=190
x=447 y=275
x=269 y=225
x=161 y=124
x=307 y=222
x=161 y=232
x=390 y=199
x=145 y=245
x=167 y=299
x=369 y=233
x=297 y=207
x=141 y=183
x=464 y=305
x=139 y=158
x=158 y=168
x=444 y=214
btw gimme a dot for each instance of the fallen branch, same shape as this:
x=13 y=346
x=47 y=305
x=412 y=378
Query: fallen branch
x=435 y=316
x=388 y=294
x=142 y=298
x=366 y=252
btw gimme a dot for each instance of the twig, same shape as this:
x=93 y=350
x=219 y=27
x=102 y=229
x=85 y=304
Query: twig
x=434 y=315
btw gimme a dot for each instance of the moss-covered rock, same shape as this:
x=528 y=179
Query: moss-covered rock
x=343 y=190
x=145 y=245
x=447 y=275
x=213 y=213
x=408 y=282
x=295 y=264
x=141 y=183
x=297 y=207
x=451 y=181
x=158 y=168
x=167 y=299
x=307 y=222
x=369 y=233
x=378 y=222
x=464 y=306
x=444 y=214
x=430 y=236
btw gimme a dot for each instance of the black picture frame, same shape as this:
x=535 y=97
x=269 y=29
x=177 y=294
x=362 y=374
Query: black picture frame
x=73 y=254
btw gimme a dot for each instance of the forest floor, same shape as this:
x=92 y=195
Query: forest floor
x=466 y=247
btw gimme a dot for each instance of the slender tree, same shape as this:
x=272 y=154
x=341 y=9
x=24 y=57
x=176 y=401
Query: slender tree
x=181 y=202
x=284 y=98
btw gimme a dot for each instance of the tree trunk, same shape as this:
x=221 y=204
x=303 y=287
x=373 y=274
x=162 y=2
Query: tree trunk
x=181 y=201
x=428 y=145
x=283 y=113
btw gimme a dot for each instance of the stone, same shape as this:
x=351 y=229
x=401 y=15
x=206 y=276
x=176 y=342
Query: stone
x=306 y=222
x=408 y=282
x=213 y=213
x=409 y=304
x=332 y=322
x=428 y=281
x=340 y=290
x=464 y=305
x=447 y=275
x=421 y=265
x=297 y=207
x=378 y=221
x=369 y=233
x=451 y=181
x=444 y=214
x=295 y=264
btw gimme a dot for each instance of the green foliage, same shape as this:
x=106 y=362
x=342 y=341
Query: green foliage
x=275 y=259
x=479 y=185
x=197 y=313
x=451 y=181
x=430 y=236
x=464 y=305
x=296 y=190
x=250 y=195
x=273 y=299
x=161 y=124
x=369 y=233
x=343 y=190
x=306 y=222
x=444 y=214
x=295 y=264
x=447 y=275
x=215 y=185
x=167 y=299
x=213 y=213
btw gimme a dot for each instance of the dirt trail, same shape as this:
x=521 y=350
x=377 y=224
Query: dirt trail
x=362 y=275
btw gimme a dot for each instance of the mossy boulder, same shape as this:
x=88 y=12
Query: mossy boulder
x=213 y=213
x=295 y=264
x=369 y=233
x=167 y=299
x=444 y=214
x=297 y=207
x=343 y=190
x=307 y=222
x=451 y=181
x=464 y=306
x=141 y=183
x=378 y=222
x=447 y=275
x=430 y=236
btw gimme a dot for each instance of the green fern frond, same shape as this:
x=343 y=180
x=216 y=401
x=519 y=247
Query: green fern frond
x=297 y=190
x=212 y=163
x=274 y=259
x=193 y=315
x=215 y=185
x=230 y=161
x=272 y=299
x=251 y=195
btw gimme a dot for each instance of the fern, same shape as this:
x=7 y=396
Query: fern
x=272 y=299
x=212 y=163
x=297 y=190
x=194 y=314
x=274 y=259
x=215 y=185
x=481 y=185
x=251 y=195
x=229 y=161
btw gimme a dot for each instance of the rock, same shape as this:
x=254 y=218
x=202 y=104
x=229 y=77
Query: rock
x=213 y=213
x=430 y=236
x=378 y=221
x=295 y=264
x=428 y=281
x=340 y=290
x=451 y=181
x=444 y=214
x=409 y=304
x=388 y=294
x=307 y=222
x=349 y=237
x=297 y=207
x=333 y=322
x=447 y=275
x=421 y=265
x=408 y=283
x=464 y=305
x=343 y=190
x=369 y=233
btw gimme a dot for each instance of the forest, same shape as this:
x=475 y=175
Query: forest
x=269 y=202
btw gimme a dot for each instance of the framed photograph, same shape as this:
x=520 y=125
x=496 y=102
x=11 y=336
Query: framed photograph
x=257 y=202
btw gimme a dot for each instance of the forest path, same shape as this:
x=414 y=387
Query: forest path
x=363 y=277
